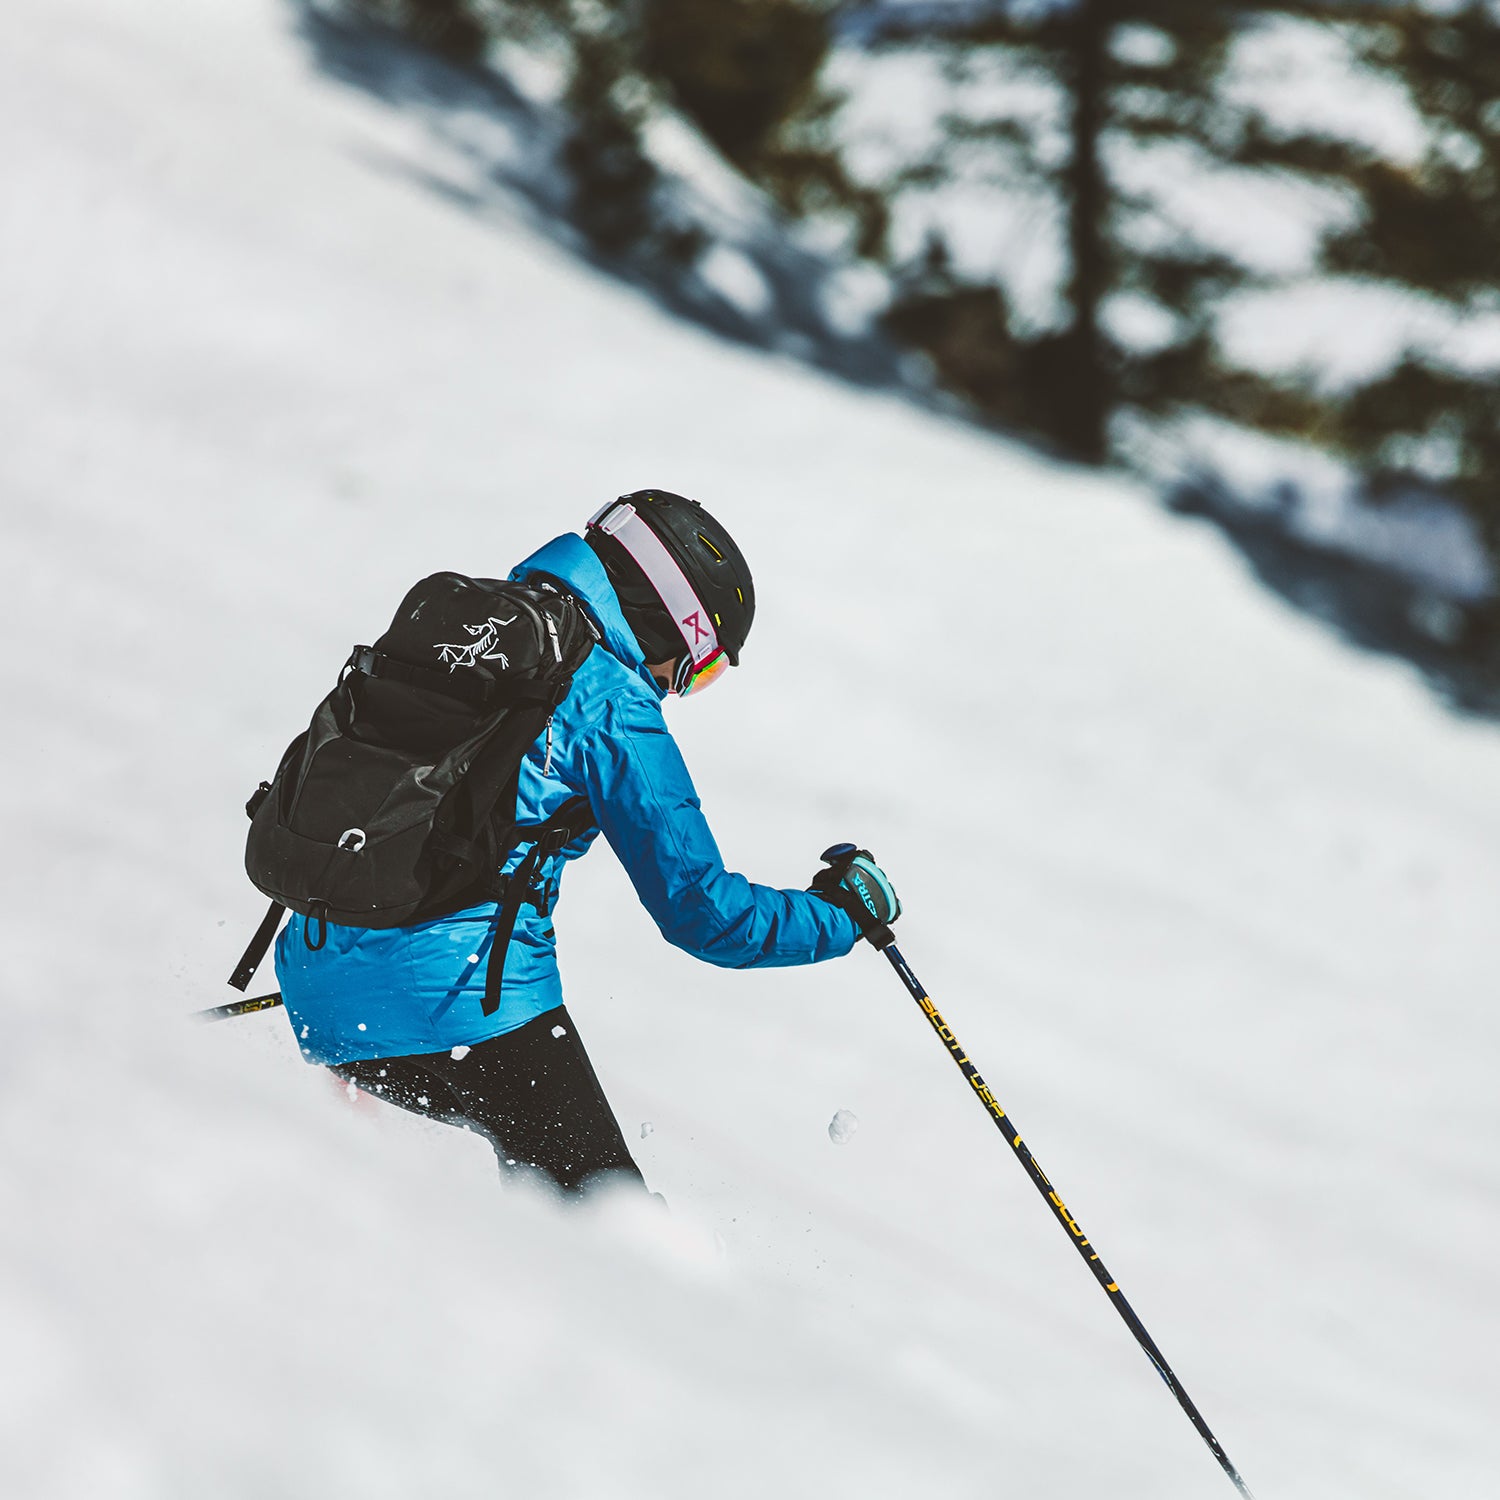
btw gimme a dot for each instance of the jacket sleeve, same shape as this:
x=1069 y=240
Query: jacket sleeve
x=645 y=803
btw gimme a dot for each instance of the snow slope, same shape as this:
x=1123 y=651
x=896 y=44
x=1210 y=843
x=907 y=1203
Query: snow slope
x=1208 y=898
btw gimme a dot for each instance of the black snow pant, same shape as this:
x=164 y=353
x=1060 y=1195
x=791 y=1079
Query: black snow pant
x=532 y=1093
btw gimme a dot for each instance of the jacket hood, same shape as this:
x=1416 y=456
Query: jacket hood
x=570 y=561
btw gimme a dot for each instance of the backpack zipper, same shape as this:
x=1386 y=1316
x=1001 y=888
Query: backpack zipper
x=557 y=652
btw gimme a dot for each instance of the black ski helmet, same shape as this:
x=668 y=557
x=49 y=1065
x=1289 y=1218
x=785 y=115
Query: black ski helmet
x=713 y=566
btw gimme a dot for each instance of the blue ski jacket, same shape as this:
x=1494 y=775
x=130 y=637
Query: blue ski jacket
x=391 y=992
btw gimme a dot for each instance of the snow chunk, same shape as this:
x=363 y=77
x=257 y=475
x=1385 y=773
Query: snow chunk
x=842 y=1127
x=459 y=1053
x=559 y=1031
x=646 y=1128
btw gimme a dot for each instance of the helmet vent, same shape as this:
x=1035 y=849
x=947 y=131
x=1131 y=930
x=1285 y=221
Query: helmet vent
x=712 y=549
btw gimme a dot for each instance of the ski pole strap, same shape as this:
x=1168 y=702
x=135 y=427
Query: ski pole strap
x=264 y=935
x=521 y=885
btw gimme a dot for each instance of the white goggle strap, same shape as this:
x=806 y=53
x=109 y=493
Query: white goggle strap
x=619 y=520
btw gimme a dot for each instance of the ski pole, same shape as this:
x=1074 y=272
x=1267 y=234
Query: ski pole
x=1007 y=1128
x=239 y=1007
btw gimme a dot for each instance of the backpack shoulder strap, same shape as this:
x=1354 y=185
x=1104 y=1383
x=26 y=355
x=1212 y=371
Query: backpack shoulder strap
x=574 y=817
x=264 y=936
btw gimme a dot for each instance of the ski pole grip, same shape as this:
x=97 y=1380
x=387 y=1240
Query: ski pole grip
x=833 y=884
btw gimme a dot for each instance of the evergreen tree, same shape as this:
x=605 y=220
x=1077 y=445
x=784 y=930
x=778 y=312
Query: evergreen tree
x=1132 y=75
x=455 y=29
x=450 y=27
x=746 y=72
x=749 y=74
x=1434 y=228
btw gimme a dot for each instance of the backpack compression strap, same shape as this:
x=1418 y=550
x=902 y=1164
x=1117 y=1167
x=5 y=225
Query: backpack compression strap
x=473 y=691
x=571 y=819
x=264 y=934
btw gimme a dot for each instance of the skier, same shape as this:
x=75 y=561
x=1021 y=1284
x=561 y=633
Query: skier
x=398 y=1011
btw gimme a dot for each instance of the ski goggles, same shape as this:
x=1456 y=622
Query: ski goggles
x=706 y=660
x=693 y=677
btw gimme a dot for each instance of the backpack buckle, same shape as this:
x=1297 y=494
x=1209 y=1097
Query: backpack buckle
x=554 y=840
x=362 y=659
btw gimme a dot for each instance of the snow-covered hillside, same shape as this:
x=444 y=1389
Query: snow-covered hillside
x=1208 y=898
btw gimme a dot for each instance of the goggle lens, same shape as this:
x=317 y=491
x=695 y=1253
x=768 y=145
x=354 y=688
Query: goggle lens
x=694 y=678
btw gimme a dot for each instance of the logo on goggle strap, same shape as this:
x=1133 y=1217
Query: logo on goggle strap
x=696 y=621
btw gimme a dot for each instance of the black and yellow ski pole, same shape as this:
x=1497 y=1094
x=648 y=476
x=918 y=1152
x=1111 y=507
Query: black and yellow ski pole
x=1007 y=1128
x=239 y=1007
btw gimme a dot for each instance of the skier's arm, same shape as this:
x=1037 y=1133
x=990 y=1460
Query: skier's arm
x=645 y=803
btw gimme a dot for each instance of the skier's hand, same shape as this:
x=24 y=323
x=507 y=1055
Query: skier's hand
x=856 y=883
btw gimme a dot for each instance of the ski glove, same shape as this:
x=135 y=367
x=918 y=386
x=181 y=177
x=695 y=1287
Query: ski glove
x=856 y=883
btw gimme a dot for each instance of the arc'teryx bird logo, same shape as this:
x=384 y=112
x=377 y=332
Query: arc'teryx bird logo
x=481 y=648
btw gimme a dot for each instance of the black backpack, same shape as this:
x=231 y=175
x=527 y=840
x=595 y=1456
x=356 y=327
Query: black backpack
x=398 y=802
